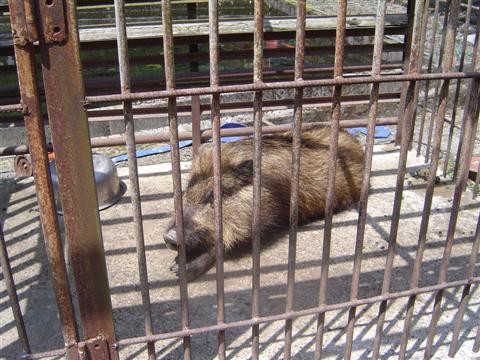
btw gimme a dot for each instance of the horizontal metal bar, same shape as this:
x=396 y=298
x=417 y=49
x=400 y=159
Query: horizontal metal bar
x=278 y=85
x=7 y=49
x=265 y=319
x=107 y=85
x=104 y=114
x=298 y=313
x=206 y=134
x=11 y=108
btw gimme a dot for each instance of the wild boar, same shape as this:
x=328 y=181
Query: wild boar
x=237 y=191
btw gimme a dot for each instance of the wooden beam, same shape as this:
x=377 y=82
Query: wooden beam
x=187 y=28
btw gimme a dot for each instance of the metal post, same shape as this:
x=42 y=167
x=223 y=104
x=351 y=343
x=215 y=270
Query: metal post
x=257 y=167
x=196 y=129
x=176 y=173
x=64 y=92
x=296 y=143
x=21 y=14
x=124 y=67
x=217 y=171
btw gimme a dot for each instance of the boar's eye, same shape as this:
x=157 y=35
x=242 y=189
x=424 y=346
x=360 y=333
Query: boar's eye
x=209 y=197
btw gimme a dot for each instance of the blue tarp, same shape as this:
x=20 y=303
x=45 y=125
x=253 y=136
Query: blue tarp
x=182 y=144
x=381 y=132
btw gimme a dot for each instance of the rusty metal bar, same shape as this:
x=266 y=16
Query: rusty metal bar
x=279 y=317
x=294 y=185
x=98 y=86
x=11 y=108
x=437 y=84
x=466 y=292
x=176 y=172
x=297 y=313
x=193 y=48
x=205 y=135
x=406 y=61
x=457 y=89
x=217 y=171
x=471 y=121
x=102 y=114
x=64 y=90
x=423 y=35
x=476 y=344
x=240 y=106
x=424 y=105
x=12 y=294
x=26 y=66
x=472 y=139
x=125 y=84
x=257 y=167
x=196 y=111
x=277 y=85
x=332 y=162
x=477 y=181
x=462 y=129
x=363 y=202
x=447 y=61
x=409 y=113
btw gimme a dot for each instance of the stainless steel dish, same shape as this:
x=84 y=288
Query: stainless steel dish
x=109 y=187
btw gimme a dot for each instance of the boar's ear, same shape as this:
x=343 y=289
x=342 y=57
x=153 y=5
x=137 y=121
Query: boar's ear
x=244 y=172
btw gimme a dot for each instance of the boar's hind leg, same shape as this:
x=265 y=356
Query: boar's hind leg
x=196 y=266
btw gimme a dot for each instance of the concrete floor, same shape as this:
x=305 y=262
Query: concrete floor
x=22 y=231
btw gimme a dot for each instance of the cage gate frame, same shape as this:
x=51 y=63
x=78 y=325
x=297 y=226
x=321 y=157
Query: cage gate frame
x=53 y=23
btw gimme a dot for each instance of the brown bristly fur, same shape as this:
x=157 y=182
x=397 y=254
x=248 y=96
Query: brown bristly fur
x=237 y=187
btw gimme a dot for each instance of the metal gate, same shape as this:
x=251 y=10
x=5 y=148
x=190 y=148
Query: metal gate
x=53 y=24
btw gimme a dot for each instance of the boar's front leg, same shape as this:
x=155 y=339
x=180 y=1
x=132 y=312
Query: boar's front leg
x=195 y=266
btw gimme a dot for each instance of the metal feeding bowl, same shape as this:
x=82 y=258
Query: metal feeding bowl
x=109 y=187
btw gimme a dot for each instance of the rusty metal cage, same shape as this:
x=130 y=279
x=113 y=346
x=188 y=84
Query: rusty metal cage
x=53 y=24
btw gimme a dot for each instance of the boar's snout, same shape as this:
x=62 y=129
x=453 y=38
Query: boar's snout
x=170 y=238
x=170 y=234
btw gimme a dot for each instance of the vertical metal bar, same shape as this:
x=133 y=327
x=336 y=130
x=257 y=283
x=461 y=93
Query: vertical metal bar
x=296 y=143
x=426 y=89
x=363 y=203
x=124 y=67
x=257 y=167
x=477 y=180
x=457 y=89
x=437 y=84
x=448 y=57
x=471 y=121
x=176 y=173
x=64 y=92
x=466 y=292
x=476 y=344
x=196 y=130
x=217 y=171
x=26 y=69
x=332 y=161
x=192 y=48
x=408 y=120
x=469 y=160
x=420 y=68
x=406 y=61
x=12 y=294
x=462 y=131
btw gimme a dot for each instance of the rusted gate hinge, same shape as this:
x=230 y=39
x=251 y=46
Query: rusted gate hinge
x=95 y=349
x=26 y=29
